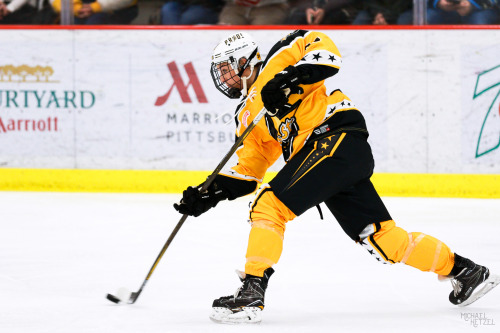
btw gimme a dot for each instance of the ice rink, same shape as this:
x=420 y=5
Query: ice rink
x=61 y=253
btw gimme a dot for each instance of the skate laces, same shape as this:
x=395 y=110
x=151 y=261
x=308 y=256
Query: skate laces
x=244 y=286
x=237 y=292
x=456 y=282
x=457 y=286
x=240 y=288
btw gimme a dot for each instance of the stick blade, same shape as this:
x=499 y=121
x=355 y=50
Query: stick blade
x=133 y=298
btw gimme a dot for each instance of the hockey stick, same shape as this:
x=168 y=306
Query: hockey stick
x=123 y=295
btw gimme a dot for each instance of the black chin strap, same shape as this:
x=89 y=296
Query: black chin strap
x=245 y=66
x=235 y=92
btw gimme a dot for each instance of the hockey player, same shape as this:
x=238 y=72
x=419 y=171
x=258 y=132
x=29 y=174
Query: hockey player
x=323 y=139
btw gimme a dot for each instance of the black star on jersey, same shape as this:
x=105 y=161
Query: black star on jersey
x=332 y=58
x=315 y=41
x=317 y=56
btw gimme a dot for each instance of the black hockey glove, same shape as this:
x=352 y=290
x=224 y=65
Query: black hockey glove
x=195 y=203
x=276 y=92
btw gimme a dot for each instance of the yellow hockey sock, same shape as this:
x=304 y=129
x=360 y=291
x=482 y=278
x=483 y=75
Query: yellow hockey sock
x=265 y=245
x=428 y=254
x=392 y=244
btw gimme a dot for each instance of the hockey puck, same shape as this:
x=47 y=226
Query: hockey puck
x=113 y=299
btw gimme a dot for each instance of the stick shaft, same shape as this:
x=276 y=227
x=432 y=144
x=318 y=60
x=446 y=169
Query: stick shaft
x=205 y=186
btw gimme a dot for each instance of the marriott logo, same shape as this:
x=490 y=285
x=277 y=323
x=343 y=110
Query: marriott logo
x=182 y=87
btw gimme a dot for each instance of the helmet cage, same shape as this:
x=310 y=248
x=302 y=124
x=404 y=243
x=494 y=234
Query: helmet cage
x=222 y=85
x=231 y=86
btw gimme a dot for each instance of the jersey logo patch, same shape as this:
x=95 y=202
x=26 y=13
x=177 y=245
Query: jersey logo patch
x=244 y=118
x=287 y=131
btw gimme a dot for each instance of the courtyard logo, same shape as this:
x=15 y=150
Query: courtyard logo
x=14 y=99
x=46 y=99
x=25 y=73
x=489 y=136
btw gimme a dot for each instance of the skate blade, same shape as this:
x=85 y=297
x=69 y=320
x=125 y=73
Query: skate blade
x=248 y=315
x=491 y=282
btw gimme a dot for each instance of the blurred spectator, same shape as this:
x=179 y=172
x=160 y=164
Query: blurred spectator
x=463 y=12
x=255 y=12
x=322 y=12
x=26 y=12
x=191 y=12
x=102 y=11
x=17 y=11
x=383 y=12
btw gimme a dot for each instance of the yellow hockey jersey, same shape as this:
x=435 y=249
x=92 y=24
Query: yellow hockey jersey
x=317 y=115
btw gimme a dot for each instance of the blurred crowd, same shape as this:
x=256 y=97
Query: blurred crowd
x=251 y=12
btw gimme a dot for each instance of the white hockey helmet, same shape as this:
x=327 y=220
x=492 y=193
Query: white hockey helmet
x=229 y=52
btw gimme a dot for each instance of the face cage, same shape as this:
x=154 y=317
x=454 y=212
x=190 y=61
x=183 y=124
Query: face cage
x=233 y=93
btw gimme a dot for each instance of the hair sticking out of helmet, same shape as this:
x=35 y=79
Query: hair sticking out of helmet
x=231 y=57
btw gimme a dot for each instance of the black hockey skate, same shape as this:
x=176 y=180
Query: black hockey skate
x=466 y=276
x=246 y=305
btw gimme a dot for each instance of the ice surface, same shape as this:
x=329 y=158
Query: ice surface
x=61 y=253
